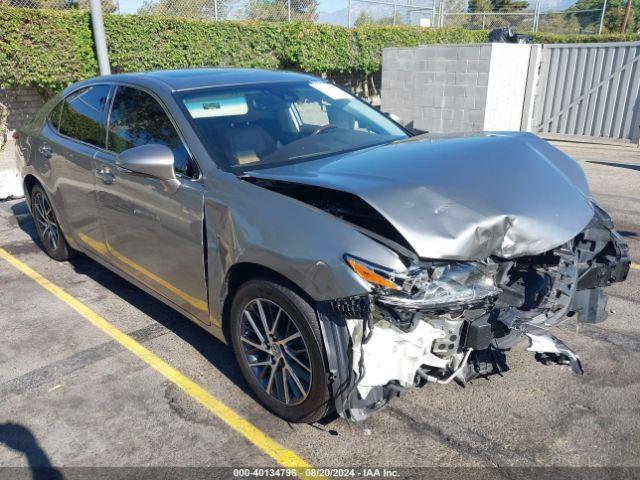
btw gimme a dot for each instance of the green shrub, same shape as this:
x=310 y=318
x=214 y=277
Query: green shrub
x=49 y=49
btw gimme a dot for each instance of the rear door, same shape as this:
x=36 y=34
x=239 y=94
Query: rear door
x=75 y=130
x=154 y=235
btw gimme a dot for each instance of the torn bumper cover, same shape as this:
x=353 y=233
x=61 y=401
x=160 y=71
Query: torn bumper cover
x=442 y=321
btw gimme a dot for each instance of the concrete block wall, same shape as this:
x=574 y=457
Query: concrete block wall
x=446 y=88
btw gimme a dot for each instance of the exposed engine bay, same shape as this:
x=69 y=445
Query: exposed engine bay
x=456 y=321
x=482 y=272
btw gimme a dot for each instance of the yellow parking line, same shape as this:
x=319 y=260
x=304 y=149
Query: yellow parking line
x=635 y=266
x=280 y=454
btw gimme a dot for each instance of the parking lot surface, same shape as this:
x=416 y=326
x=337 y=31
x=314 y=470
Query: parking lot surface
x=70 y=395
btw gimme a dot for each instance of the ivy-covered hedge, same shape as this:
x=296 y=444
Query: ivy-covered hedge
x=50 y=49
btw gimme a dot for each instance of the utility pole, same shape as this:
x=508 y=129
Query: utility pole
x=627 y=11
x=98 y=37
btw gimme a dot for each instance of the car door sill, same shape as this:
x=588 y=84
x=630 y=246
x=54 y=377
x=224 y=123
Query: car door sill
x=213 y=328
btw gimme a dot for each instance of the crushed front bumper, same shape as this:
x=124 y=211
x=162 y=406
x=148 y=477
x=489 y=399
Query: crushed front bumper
x=375 y=355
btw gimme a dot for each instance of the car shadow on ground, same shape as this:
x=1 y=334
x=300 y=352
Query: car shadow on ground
x=213 y=350
x=20 y=439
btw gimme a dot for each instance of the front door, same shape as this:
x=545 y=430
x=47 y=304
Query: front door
x=152 y=234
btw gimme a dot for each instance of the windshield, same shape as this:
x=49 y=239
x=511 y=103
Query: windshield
x=248 y=127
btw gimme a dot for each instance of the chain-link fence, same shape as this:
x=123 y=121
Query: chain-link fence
x=425 y=13
x=384 y=12
x=108 y=6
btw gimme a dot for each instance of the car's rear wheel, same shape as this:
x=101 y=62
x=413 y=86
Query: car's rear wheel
x=47 y=226
x=277 y=342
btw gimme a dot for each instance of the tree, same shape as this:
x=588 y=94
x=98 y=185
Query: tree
x=279 y=10
x=497 y=5
x=509 y=5
x=613 y=16
x=560 y=22
x=480 y=6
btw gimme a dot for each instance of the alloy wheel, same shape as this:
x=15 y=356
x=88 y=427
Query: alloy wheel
x=46 y=220
x=275 y=351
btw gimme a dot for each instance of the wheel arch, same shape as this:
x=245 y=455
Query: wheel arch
x=240 y=273
x=28 y=182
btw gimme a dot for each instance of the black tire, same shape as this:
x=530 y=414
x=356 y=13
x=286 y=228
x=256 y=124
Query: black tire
x=316 y=404
x=51 y=238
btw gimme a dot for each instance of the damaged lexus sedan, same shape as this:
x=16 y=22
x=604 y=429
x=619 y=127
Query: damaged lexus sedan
x=344 y=258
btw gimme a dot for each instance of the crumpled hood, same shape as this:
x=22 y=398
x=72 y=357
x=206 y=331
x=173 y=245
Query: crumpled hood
x=462 y=198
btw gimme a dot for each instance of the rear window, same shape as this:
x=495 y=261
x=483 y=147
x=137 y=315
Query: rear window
x=82 y=115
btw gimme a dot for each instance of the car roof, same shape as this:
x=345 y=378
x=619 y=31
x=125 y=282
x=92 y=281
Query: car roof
x=193 y=78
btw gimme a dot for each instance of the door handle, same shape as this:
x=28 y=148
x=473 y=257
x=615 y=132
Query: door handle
x=106 y=175
x=45 y=150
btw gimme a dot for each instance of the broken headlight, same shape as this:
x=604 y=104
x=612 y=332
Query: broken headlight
x=438 y=286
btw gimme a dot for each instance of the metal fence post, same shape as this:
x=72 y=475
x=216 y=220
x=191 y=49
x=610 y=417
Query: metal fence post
x=97 y=24
x=484 y=16
x=289 y=10
x=394 y=13
x=215 y=9
x=349 y=14
x=604 y=8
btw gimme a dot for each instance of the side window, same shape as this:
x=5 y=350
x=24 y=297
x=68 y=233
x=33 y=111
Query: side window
x=138 y=119
x=82 y=115
x=54 y=115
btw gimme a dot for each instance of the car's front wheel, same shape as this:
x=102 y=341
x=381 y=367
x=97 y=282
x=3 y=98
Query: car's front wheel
x=47 y=225
x=277 y=342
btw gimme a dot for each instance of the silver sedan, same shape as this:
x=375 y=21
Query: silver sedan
x=344 y=257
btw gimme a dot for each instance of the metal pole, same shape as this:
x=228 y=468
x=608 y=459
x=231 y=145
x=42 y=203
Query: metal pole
x=394 y=13
x=98 y=37
x=289 y=10
x=484 y=16
x=349 y=15
x=604 y=8
x=215 y=8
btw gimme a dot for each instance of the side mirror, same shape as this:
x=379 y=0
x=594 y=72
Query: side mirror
x=152 y=160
